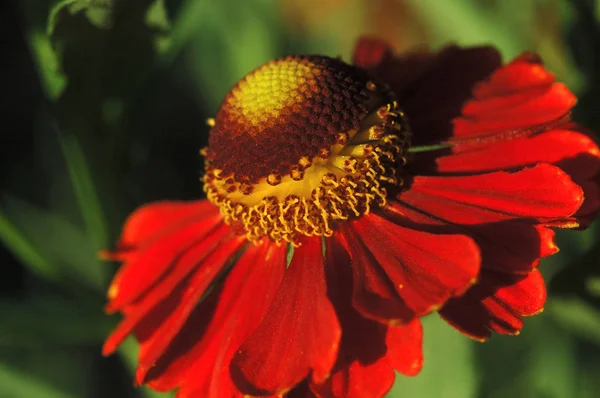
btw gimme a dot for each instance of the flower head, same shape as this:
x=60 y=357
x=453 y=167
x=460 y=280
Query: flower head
x=302 y=143
x=401 y=186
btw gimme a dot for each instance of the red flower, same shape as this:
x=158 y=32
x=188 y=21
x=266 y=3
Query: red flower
x=405 y=185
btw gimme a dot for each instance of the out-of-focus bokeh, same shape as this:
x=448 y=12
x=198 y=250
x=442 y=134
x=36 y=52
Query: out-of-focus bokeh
x=104 y=105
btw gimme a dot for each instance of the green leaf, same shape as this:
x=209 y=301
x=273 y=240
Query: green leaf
x=85 y=191
x=158 y=19
x=50 y=246
x=186 y=24
x=66 y=33
x=16 y=241
x=98 y=12
x=55 y=9
x=47 y=64
x=449 y=370
x=107 y=50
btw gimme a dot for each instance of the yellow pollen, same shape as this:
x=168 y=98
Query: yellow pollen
x=263 y=94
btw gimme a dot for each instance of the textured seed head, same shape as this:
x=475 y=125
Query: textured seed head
x=285 y=110
x=302 y=144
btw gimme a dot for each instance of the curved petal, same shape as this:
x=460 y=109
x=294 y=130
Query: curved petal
x=193 y=272
x=517 y=97
x=404 y=344
x=575 y=153
x=151 y=221
x=425 y=268
x=358 y=380
x=145 y=268
x=540 y=193
x=374 y=295
x=524 y=298
x=166 y=373
x=199 y=362
x=363 y=368
x=497 y=304
x=513 y=246
x=198 y=284
x=299 y=333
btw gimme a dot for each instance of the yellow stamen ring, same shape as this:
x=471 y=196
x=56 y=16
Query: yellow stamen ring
x=342 y=182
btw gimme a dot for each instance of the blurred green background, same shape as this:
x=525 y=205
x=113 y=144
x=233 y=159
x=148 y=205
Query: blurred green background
x=103 y=105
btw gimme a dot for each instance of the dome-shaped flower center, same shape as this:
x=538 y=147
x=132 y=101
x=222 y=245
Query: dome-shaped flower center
x=302 y=143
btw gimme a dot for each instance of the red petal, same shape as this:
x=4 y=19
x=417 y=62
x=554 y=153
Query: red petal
x=547 y=246
x=198 y=283
x=512 y=246
x=496 y=303
x=524 y=72
x=362 y=369
x=543 y=109
x=200 y=362
x=300 y=331
x=573 y=152
x=520 y=95
x=502 y=320
x=204 y=262
x=426 y=269
x=508 y=246
x=542 y=193
x=405 y=350
x=358 y=380
x=369 y=52
x=151 y=221
x=526 y=297
x=169 y=371
x=469 y=320
x=374 y=295
x=149 y=265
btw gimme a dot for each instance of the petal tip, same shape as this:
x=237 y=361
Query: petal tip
x=369 y=51
x=108 y=348
x=113 y=291
x=104 y=254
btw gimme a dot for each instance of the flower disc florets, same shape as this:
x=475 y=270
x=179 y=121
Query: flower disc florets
x=301 y=143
